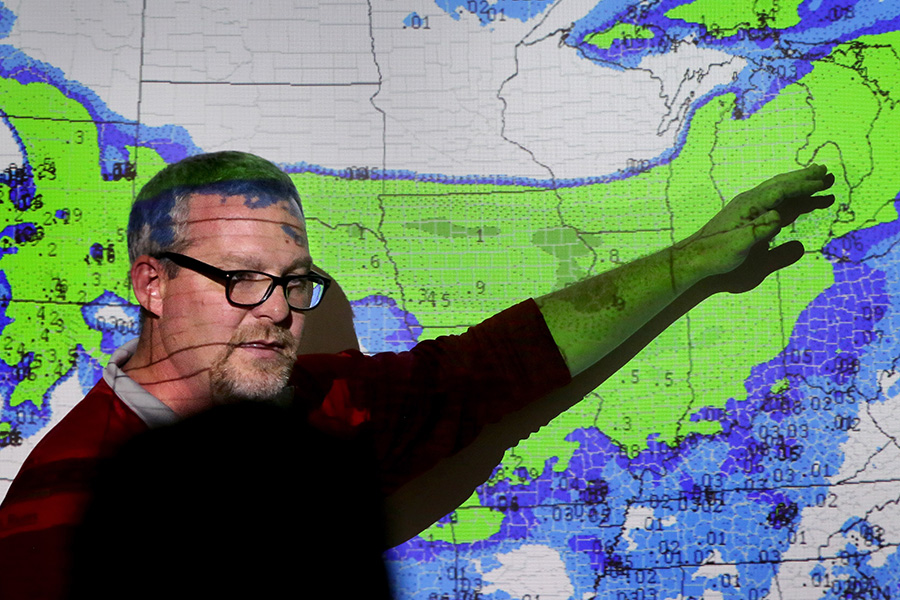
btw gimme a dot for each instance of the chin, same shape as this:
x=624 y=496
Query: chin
x=228 y=393
x=231 y=383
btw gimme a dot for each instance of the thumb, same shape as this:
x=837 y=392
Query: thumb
x=760 y=263
x=785 y=255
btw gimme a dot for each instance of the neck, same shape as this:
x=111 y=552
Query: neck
x=152 y=368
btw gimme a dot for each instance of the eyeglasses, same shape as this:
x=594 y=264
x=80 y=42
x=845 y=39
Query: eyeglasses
x=251 y=288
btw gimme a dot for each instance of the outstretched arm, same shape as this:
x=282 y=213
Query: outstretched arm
x=594 y=316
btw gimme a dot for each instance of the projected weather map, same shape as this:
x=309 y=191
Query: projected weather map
x=455 y=157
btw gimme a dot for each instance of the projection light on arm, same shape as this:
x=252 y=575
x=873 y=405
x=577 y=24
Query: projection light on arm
x=595 y=315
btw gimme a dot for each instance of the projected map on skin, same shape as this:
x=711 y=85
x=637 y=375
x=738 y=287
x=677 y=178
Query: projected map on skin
x=456 y=157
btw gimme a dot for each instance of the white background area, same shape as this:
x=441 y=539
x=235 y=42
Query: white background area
x=325 y=84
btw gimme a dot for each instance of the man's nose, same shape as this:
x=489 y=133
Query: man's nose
x=275 y=307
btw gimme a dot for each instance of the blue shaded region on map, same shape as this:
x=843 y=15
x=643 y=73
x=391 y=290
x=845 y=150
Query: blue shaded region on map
x=414 y=21
x=114 y=317
x=87 y=369
x=20 y=179
x=5 y=299
x=10 y=377
x=495 y=11
x=7 y=20
x=382 y=326
x=776 y=57
x=29 y=418
x=96 y=252
x=858 y=580
x=661 y=520
x=20 y=233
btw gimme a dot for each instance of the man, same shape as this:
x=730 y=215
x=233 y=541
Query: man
x=222 y=271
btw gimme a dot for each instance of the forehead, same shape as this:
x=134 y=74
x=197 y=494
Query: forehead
x=238 y=222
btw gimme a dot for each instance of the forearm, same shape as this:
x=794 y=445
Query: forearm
x=592 y=317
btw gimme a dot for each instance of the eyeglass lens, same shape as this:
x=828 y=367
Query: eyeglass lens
x=249 y=288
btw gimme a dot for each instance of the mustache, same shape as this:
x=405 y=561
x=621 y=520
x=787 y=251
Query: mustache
x=268 y=334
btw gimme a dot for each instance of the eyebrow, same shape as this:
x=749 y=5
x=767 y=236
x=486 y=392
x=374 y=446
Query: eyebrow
x=241 y=262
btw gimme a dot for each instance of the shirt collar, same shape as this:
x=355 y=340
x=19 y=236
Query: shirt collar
x=148 y=407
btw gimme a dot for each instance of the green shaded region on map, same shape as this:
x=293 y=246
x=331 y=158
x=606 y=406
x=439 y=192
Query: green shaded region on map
x=469 y=523
x=621 y=31
x=846 y=122
x=725 y=18
x=573 y=254
x=74 y=207
x=449 y=229
x=448 y=279
x=547 y=239
x=863 y=134
x=704 y=358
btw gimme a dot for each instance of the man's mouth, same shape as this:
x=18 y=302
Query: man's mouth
x=262 y=346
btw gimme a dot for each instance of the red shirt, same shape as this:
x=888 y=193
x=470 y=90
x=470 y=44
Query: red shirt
x=418 y=407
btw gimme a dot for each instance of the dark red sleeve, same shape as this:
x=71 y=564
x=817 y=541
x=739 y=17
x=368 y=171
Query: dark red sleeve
x=47 y=499
x=426 y=404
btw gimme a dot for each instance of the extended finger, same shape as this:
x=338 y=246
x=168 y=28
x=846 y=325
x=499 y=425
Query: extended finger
x=800 y=183
x=773 y=192
x=800 y=206
x=760 y=263
x=784 y=255
x=811 y=173
x=789 y=189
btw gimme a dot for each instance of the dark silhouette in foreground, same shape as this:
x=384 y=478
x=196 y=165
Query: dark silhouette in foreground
x=242 y=501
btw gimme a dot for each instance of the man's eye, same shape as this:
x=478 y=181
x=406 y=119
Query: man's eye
x=298 y=283
x=247 y=276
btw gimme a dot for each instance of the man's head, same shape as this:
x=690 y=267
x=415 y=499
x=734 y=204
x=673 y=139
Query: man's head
x=235 y=212
x=159 y=213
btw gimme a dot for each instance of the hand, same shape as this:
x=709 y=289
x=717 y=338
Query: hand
x=747 y=223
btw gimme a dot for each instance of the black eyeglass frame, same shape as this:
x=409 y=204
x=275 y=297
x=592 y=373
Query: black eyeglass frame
x=227 y=276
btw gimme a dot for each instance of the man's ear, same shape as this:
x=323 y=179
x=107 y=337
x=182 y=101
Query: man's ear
x=149 y=282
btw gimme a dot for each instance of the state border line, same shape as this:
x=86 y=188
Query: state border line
x=694 y=564
x=264 y=83
x=676 y=498
x=781 y=561
x=62 y=120
x=7 y=301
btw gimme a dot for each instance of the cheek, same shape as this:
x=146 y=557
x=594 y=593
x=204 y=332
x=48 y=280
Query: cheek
x=295 y=328
x=199 y=318
x=297 y=325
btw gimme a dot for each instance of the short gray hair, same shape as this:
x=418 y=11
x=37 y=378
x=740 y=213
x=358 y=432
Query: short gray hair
x=159 y=214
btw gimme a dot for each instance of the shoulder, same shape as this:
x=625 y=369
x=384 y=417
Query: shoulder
x=63 y=463
x=95 y=427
